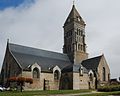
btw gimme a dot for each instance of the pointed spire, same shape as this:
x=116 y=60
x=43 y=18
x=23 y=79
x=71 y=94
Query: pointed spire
x=74 y=15
x=7 y=40
x=8 y=43
x=73 y=2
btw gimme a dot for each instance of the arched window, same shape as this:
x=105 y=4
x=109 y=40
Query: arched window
x=81 y=47
x=91 y=77
x=104 y=75
x=56 y=75
x=78 y=46
x=81 y=71
x=36 y=73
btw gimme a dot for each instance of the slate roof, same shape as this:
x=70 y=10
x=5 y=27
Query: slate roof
x=92 y=63
x=27 y=56
x=74 y=14
x=74 y=68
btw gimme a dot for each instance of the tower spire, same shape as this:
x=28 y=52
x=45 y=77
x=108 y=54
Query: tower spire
x=73 y=2
x=74 y=36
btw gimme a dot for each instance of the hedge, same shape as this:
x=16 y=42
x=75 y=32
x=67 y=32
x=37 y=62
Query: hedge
x=109 y=88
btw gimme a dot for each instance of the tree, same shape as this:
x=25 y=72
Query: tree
x=20 y=81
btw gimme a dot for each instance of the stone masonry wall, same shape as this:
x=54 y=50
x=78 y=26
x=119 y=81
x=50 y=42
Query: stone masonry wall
x=104 y=64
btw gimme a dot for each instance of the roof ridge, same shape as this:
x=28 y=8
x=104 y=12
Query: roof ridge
x=94 y=57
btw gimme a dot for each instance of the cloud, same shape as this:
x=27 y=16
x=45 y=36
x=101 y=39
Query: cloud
x=39 y=25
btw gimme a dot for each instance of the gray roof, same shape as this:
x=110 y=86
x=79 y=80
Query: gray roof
x=26 y=56
x=46 y=59
x=74 y=14
x=92 y=63
x=74 y=68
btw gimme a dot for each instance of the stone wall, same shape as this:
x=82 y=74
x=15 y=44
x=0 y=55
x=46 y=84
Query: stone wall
x=84 y=81
x=104 y=64
x=80 y=81
x=44 y=82
x=10 y=68
x=76 y=81
x=80 y=56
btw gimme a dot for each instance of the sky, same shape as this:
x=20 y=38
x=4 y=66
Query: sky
x=39 y=24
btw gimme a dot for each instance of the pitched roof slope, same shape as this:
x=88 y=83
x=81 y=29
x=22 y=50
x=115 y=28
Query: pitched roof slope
x=74 y=14
x=46 y=59
x=92 y=63
x=74 y=68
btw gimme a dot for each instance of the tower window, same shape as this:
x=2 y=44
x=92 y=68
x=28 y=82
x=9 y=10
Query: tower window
x=78 y=46
x=79 y=39
x=82 y=32
x=81 y=47
x=70 y=33
x=79 y=32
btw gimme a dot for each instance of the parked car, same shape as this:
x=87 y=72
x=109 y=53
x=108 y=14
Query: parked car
x=1 y=89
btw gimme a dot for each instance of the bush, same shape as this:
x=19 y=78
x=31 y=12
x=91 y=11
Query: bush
x=109 y=88
x=12 y=79
x=21 y=79
x=29 y=80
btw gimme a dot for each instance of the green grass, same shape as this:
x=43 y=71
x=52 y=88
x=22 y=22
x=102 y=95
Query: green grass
x=46 y=93
x=41 y=93
x=104 y=94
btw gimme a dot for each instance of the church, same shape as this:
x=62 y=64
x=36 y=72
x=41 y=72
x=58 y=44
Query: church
x=72 y=69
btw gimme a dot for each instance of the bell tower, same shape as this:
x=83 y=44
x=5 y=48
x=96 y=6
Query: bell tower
x=74 y=37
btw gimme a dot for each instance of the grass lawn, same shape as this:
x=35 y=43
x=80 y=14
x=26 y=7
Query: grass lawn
x=104 y=94
x=41 y=93
x=46 y=93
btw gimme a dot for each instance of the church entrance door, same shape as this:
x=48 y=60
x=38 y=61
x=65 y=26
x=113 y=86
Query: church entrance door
x=46 y=85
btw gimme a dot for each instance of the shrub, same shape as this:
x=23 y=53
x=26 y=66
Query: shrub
x=12 y=79
x=21 y=79
x=109 y=88
x=29 y=80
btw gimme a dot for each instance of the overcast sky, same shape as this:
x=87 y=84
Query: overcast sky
x=38 y=23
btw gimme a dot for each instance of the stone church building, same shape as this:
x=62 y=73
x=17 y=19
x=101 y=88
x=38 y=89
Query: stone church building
x=49 y=70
